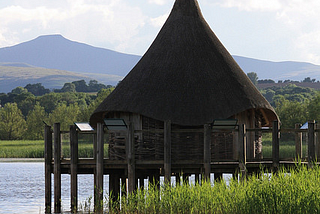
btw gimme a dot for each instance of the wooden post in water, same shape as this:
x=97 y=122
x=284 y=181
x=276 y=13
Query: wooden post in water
x=311 y=143
x=242 y=151
x=98 y=202
x=114 y=187
x=131 y=159
x=167 y=152
x=298 y=140
x=275 y=145
x=74 y=168
x=317 y=141
x=48 y=166
x=57 y=167
x=207 y=152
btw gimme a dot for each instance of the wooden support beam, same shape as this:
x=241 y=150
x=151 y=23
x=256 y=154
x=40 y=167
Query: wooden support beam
x=311 y=143
x=298 y=140
x=99 y=169
x=207 y=152
x=167 y=152
x=242 y=151
x=131 y=159
x=275 y=145
x=57 y=167
x=47 y=166
x=74 y=168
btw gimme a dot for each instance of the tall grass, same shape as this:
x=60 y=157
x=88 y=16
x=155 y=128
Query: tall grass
x=35 y=149
x=295 y=192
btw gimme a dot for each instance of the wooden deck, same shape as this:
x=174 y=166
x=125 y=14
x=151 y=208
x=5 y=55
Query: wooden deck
x=131 y=169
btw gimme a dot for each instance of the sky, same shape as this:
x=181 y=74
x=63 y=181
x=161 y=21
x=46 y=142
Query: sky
x=275 y=30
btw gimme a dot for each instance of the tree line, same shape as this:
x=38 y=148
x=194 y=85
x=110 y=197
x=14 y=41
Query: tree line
x=293 y=104
x=23 y=112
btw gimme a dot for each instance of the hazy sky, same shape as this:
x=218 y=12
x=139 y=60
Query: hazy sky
x=274 y=30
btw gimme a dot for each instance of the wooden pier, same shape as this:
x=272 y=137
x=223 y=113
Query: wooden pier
x=131 y=170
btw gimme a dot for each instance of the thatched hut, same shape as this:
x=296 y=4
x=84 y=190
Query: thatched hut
x=187 y=77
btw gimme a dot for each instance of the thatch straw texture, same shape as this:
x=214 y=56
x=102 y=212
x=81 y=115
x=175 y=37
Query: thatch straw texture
x=186 y=76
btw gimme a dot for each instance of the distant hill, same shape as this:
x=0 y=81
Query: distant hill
x=87 y=62
x=57 y=52
x=19 y=74
x=279 y=70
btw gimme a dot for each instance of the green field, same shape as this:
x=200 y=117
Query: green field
x=35 y=149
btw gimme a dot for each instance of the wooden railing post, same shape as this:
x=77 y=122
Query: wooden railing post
x=99 y=169
x=275 y=145
x=242 y=151
x=131 y=159
x=74 y=168
x=57 y=167
x=48 y=166
x=311 y=143
x=167 y=152
x=298 y=139
x=207 y=152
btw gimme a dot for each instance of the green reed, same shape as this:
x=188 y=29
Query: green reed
x=295 y=192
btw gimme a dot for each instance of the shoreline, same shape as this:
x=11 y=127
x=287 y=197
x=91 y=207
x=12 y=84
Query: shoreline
x=10 y=160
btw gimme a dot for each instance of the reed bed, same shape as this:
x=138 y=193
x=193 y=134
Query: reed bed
x=296 y=191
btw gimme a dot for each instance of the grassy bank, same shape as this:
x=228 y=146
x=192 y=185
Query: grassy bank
x=297 y=192
x=35 y=149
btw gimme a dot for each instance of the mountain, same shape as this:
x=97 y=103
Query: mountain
x=279 y=70
x=61 y=60
x=57 y=52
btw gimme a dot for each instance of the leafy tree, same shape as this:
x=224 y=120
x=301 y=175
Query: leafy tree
x=86 y=113
x=314 y=108
x=81 y=86
x=291 y=112
x=12 y=123
x=65 y=115
x=37 y=89
x=35 y=123
x=19 y=90
x=50 y=101
x=68 y=87
x=253 y=76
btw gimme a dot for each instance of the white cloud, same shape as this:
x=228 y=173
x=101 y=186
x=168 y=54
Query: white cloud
x=159 y=21
x=252 y=5
x=158 y=2
x=98 y=21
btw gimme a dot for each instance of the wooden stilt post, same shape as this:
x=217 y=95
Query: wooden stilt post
x=57 y=168
x=317 y=142
x=311 y=143
x=48 y=166
x=114 y=187
x=178 y=179
x=298 y=140
x=242 y=151
x=167 y=152
x=74 y=168
x=275 y=146
x=196 y=180
x=218 y=176
x=99 y=169
x=207 y=152
x=131 y=159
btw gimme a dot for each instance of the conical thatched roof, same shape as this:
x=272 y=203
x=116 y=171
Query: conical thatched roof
x=186 y=76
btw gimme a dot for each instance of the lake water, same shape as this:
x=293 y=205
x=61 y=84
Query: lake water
x=22 y=188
